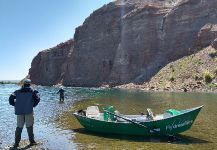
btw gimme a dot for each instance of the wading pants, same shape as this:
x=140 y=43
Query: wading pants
x=22 y=120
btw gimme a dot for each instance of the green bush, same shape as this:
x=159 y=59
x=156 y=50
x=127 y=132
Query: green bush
x=213 y=54
x=215 y=71
x=171 y=78
x=196 y=77
x=208 y=77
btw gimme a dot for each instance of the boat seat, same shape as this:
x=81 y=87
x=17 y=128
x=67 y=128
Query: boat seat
x=173 y=112
x=92 y=112
x=158 y=117
x=150 y=114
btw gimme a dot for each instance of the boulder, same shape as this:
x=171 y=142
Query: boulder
x=207 y=35
x=214 y=44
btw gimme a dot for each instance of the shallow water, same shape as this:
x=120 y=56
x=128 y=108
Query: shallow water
x=202 y=135
x=57 y=129
x=46 y=113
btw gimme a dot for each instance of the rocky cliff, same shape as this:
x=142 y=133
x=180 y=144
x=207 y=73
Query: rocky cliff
x=49 y=66
x=197 y=72
x=126 y=41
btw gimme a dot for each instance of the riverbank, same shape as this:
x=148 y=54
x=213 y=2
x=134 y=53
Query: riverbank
x=9 y=81
x=194 y=73
x=24 y=145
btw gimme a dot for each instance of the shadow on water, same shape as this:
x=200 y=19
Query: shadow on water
x=61 y=102
x=192 y=140
x=183 y=139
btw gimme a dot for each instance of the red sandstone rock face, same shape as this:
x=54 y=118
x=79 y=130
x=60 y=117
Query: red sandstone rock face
x=128 y=42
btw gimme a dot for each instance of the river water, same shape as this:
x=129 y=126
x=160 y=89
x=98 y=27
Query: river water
x=56 y=129
x=46 y=130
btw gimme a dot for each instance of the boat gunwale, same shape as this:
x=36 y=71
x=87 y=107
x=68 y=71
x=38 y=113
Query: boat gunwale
x=185 y=112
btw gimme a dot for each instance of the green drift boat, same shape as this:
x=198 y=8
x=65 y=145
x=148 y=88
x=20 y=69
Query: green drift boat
x=171 y=122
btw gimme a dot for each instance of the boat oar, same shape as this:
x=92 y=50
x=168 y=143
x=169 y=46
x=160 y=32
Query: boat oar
x=170 y=137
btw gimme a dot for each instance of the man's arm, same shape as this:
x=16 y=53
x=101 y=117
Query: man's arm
x=36 y=98
x=12 y=98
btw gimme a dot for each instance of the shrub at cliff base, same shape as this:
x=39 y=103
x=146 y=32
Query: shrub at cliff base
x=215 y=71
x=171 y=78
x=208 y=77
x=213 y=54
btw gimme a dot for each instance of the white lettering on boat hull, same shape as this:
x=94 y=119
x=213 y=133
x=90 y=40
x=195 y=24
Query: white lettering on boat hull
x=179 y=124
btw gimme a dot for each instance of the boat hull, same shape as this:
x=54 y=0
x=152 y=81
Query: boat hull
x=168 y=126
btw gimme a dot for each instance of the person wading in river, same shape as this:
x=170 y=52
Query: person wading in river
x=23 y=101
x=61 y=92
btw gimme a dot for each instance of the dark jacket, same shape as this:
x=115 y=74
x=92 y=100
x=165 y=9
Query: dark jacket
x=24 y=100
x=61 y=91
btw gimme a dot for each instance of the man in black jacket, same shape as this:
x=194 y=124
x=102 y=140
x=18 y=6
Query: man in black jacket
x=23 y=101
x=61 y=91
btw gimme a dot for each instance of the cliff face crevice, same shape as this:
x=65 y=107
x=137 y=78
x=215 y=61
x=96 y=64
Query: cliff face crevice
x=126 y=41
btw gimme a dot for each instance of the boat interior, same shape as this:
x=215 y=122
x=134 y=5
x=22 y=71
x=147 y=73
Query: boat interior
x=94 y=113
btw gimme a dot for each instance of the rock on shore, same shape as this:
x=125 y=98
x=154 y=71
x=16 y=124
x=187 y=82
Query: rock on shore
x=24 y=145
x=126 y=42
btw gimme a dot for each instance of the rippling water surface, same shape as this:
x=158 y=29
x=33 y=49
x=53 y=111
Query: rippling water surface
x=46 y=113
x=58 y=130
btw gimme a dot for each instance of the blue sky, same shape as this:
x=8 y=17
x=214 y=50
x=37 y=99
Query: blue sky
x=29 y=26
